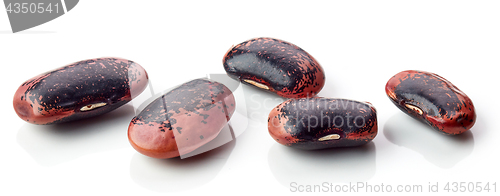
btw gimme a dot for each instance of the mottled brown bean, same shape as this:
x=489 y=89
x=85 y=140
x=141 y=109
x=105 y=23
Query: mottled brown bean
x=182 y=120
x=276 y=66
x=317 y=123
x=433 y=100
x=80 y=90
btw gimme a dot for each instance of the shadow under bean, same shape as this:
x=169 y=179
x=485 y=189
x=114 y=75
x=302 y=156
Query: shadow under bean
x=444 y=151
x=50 y=145
x=335 y=165
x=176 y=174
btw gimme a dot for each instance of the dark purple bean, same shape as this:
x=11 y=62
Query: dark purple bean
x=276 y=66
x=433 y=100
x=317 y=123
x=80 y=90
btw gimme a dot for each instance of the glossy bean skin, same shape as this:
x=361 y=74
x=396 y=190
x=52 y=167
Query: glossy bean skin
x=182 y=120
x=433 y=100
x=80 y=90
x=276 y=66
x=318 y=123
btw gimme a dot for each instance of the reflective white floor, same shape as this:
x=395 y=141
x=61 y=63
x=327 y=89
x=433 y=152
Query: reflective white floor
x=359 y=44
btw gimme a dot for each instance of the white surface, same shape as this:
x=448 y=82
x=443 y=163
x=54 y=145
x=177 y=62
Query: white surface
x=360 y=45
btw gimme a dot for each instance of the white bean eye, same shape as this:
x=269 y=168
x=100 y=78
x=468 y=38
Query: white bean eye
x=414 y=108
x=257 y=84
x=92 y=106
x=330 y=137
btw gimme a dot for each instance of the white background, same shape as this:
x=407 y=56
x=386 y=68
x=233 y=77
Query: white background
x=360 y=45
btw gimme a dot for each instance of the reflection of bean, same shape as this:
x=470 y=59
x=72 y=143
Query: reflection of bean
x=79 y=90
x=317 y=123
x=276 y=66
x=432 y=100
x=182 y=120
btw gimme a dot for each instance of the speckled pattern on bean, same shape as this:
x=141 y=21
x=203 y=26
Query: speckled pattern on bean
x=433 y=100
x=182 y=120
x=300 y=123
x=284 y=68
x=58 y=96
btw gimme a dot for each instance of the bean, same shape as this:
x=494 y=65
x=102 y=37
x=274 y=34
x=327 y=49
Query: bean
x=433 y=100
x=318 y=123
x=80 y=90
x=276 y=66
x=182 y=120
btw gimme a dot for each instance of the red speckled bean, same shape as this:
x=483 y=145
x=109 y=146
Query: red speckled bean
x=80 y=90
x=182 y=120
x=433 y=100
x=317 y=123
x=276 y=66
